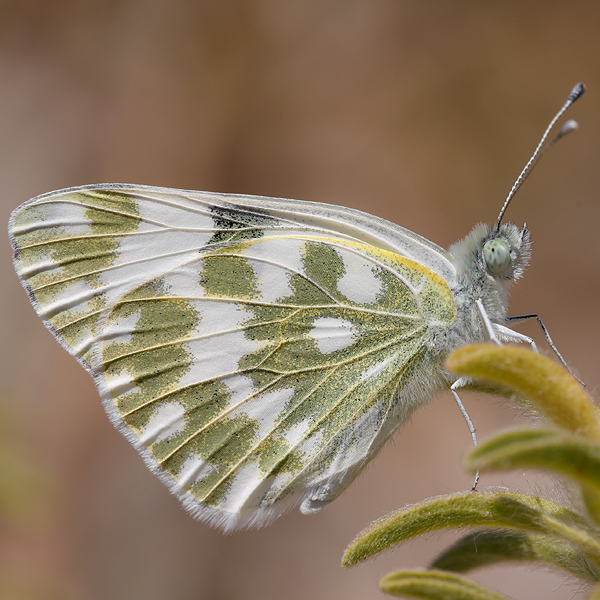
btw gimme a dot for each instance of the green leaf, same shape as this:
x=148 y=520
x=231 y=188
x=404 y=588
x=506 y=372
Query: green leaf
x=488 y=547
x=591 y=499
x=555 y=392
x=473 y=509
x=435 y=585
x=538 y=448
x=566 y=454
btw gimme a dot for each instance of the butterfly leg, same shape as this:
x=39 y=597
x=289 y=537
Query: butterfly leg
x=514 y=336
x=508 y=334
x=487 y=323
x=519 y=318
x=461 y=382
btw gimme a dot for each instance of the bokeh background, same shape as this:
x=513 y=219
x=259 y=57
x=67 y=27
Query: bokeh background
x=419 y=111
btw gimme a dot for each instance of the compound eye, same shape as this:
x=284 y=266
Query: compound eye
x=497 y=256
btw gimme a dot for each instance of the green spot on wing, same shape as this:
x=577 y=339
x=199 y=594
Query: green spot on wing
x=323 y=265
x=228 y=276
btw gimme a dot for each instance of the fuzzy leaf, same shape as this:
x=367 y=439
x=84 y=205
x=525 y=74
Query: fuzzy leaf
x=543 y=449
x=487 y=547
x=538 y=448
x=591 y=499
x=491 y=388
x=435 y=585
x=555 y=392
x=473 y=509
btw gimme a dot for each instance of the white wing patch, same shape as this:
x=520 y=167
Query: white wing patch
x=166 y=422
x=194 y=469
x=359 y=282
x=275 y=260
x=245 y=488
x=161 y=211
x=240 y=387
x=376 y=369
x=285 y=252
x=183 y=282
x=218 y=342
x=331 y=334
x=267 y=408
x=272 y=281
x=120 y=330
x=75 y=295
x=68 y=217
x=296 y=433
x=121 y=384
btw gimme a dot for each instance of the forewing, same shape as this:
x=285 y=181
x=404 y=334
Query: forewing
x=252 y=359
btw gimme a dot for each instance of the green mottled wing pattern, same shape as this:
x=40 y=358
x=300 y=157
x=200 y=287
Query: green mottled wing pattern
x=253 y=358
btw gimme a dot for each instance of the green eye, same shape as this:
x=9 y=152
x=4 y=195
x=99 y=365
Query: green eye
x=497 y=255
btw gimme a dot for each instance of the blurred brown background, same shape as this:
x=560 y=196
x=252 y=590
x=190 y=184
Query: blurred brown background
x=421 y=112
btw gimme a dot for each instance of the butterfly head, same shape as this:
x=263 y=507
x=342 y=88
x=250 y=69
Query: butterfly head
x=506 y=252
x=500 y=254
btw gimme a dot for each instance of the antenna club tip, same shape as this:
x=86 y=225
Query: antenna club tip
x=569 y=126
x=576 y=92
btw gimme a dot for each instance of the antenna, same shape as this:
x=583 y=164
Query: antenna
x=540 y=150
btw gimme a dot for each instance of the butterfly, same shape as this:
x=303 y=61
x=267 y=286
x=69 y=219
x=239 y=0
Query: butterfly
x=257 y=352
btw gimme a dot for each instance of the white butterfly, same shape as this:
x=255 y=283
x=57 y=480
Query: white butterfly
x=257 y=352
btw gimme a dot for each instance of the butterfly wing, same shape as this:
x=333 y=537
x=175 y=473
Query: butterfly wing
x=249 y=348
